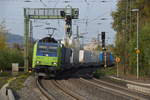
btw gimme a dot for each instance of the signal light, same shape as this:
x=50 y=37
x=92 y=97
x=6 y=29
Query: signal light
x=103 y=35
x=62 y=13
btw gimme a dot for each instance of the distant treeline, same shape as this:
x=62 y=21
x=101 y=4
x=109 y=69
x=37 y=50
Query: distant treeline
x=125 y=25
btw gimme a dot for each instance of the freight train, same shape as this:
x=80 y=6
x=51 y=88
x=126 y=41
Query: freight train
x=49 y=56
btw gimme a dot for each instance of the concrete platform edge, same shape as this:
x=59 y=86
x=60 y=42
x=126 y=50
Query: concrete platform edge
x=133 y=82
x=6 y=94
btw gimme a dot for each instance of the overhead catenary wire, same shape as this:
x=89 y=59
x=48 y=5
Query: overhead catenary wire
x=43 y=3
x=86 y=15
x=57 y=2
x=100 y=16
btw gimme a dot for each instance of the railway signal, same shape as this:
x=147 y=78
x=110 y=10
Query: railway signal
x=103 y=35
x=138 y=51
x=117 y=61
x=45 y=13
x=104 y=48
x=103 y=39
x=68 y=21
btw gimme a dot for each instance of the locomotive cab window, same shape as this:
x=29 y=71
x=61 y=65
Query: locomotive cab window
x=43 y=50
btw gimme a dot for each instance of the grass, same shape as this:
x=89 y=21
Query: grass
x=16 y=80
x=104 y=72
x=4 y=77
x=18 y=83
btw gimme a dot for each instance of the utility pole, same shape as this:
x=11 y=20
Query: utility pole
x=98 y=40
x=137 y=40
x=26 y=40
x=30 y=44
x=78 y=36
x=137 y=44
x=98 y=36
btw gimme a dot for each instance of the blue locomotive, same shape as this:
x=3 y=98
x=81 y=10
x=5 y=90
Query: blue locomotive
x=110 y=61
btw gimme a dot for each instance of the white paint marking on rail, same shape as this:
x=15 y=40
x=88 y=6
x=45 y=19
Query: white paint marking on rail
x=118 y=91
x=129 y=81
x=138 y=88
x=110 y=84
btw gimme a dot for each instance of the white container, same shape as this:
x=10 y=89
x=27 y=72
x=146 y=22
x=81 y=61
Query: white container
x=86 y=56
x=75 y=56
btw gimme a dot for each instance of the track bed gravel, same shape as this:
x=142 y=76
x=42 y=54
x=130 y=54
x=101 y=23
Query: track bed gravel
x=54 y=91
x=30 y=91
x=72 y=80
x=91 y=92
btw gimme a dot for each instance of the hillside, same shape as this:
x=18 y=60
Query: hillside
x=13 y=38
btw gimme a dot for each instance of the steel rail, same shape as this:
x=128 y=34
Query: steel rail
x=112 y=89
x=58 y=86
x=67 y=91
x=117 y=86
x=44 y=92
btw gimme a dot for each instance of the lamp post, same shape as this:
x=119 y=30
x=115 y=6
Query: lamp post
x=137 y=40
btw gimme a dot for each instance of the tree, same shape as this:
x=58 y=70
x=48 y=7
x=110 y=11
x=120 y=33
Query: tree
x=2 y=35
x=8 y=55
x=125 y=26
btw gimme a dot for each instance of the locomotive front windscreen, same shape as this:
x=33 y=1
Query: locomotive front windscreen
x=47 y=50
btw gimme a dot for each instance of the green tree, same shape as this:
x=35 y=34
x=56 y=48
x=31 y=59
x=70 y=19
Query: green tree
x=8 y=55
x=125 y=26
x=2 y=35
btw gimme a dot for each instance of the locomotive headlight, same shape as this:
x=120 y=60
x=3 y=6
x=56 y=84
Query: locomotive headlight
x=54 y=63
x=37 y=62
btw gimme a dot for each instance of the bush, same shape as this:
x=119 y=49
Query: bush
x=9 y=56
x=99 y=73
x=144 y=56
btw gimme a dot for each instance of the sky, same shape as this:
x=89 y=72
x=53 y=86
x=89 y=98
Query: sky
x=90 y=11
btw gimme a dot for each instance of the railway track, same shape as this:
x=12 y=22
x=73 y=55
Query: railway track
x=53 y=90
x=115 y=89
x=43 y=90
x=77 y=88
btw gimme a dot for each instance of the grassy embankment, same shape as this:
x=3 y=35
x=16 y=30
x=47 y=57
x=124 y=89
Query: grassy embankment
x=109 y=71
x=104 y=72
x=16 y=81
x=4 y=77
